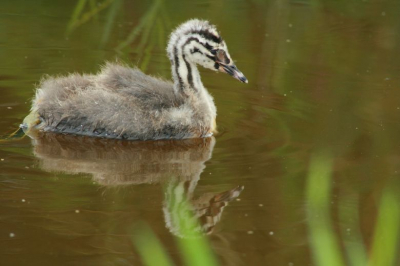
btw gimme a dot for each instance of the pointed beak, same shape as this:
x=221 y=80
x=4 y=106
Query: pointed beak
x=234 y=72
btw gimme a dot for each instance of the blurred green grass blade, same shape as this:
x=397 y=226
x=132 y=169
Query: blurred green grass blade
x=182 y=220
x=145 y=36
x=385 y=243
x=350 y=225
x=92 y=4
x=150 y=248
x=76 y=22
x=197 y=252
x=147 y=19
x=324 y=246
x=132 y=36
x=75 y=15
x=93 y=12
x=112 y=13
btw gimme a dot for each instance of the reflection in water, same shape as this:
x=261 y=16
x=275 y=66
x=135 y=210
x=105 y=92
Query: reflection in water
x=199 y=217
x=176 y=164
x=113 y=163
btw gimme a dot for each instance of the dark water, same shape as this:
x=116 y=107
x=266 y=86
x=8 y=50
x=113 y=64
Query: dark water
x=313 y=138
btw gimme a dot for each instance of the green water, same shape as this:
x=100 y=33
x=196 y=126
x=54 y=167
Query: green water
x=313 y=138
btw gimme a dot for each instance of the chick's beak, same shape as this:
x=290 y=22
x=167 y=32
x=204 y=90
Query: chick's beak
x=234 y=72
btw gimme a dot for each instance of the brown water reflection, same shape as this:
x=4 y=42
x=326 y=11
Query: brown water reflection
x=176 y=165
x=102 y=234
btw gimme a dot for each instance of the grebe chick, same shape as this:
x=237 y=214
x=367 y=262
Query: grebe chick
x=124 y=103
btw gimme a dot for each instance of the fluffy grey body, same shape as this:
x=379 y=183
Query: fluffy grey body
x=123 y=103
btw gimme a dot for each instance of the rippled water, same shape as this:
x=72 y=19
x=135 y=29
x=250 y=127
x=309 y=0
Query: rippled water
x=323 y=79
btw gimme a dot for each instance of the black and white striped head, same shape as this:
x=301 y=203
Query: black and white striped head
x=198 y=42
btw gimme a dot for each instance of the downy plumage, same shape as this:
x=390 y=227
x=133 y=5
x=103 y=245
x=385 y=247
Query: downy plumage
x=124 y=103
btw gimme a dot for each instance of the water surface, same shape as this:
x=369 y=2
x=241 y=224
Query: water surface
x=313 y=138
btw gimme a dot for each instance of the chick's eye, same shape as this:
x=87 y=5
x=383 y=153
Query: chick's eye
x=222 y=57
x=214 y=51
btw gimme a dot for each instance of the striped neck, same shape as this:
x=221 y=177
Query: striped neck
x=185 y=73
x=192 y=44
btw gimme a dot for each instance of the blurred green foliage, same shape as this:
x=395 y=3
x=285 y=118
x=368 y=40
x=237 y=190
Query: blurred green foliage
x=193 y=246
x=325 y=241
x=325 y=246
x=386 y=237
x=150 y=248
